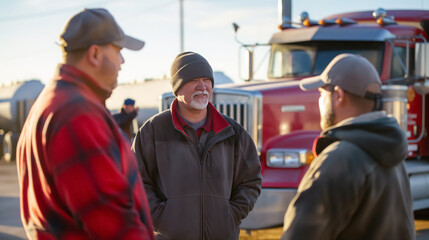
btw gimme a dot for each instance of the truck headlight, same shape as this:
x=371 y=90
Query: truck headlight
x=289 y=158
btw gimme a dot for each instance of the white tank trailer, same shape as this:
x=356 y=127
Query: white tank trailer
x=15 y=103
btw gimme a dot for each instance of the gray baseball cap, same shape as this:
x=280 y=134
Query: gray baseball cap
x=95 y=26
x=352 y=73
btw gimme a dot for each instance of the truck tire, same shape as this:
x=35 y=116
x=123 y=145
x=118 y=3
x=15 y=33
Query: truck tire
x=9 y=146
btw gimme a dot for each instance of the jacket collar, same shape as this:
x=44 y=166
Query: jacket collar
x=218 y=123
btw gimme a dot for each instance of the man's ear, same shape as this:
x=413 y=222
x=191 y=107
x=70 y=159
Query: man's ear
x=94 y=55
x=340 y=97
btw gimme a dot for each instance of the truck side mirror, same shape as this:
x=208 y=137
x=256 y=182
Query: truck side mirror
x=422 y=68
x=249 y=49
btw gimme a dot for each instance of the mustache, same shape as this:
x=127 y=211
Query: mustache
x=200 y=92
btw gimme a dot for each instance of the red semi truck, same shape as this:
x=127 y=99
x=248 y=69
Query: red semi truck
x=284 y=120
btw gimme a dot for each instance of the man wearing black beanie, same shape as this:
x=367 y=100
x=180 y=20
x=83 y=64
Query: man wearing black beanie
x=200 y=168
x=188 y=66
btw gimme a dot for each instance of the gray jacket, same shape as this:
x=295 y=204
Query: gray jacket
x=357 y=188
x=192 y=193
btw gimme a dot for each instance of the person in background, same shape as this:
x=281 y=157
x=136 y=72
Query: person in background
x=357 y=187
x=78 y=177
x=200 y=168
x=125 y=118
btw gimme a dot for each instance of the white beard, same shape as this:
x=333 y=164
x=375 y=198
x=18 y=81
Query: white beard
x=201 y=105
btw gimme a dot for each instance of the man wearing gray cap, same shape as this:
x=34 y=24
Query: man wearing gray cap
x=78 y=177
x=357 y=186
x=200 y=168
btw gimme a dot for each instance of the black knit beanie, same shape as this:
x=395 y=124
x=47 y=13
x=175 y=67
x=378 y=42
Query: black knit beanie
x=188 y=66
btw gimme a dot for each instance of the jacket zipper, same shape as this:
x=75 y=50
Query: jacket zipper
x=201 y=158
x=201 y=182
x=202 y=190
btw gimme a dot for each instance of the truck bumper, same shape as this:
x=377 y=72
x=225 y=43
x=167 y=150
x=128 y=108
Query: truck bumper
x=269 y=209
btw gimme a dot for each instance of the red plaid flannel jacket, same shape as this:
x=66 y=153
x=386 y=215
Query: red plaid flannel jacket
x=78 y=177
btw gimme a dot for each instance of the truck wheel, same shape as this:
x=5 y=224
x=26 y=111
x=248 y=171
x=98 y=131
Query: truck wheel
x=1 y=144
x=9 y=146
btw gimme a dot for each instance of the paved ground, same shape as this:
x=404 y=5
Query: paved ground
x=11 y=227
x=10 y=223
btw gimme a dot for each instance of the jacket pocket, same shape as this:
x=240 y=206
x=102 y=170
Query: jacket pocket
x=181 y=218
x=220 y=221
x=157 y=214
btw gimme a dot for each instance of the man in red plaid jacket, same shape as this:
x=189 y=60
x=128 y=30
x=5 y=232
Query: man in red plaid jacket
x=78 y=177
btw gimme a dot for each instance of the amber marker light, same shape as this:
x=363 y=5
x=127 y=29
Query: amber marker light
x=309 y=158
x=307 y=23
x=339 y=21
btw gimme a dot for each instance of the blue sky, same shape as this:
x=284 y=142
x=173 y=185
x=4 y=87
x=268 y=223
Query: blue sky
x=30 y=28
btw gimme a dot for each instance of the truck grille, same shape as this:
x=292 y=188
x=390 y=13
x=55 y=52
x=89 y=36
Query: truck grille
x=245 y=107
x=237 y=111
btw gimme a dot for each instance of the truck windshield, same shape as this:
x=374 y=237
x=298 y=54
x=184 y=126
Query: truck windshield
x=311 y=58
